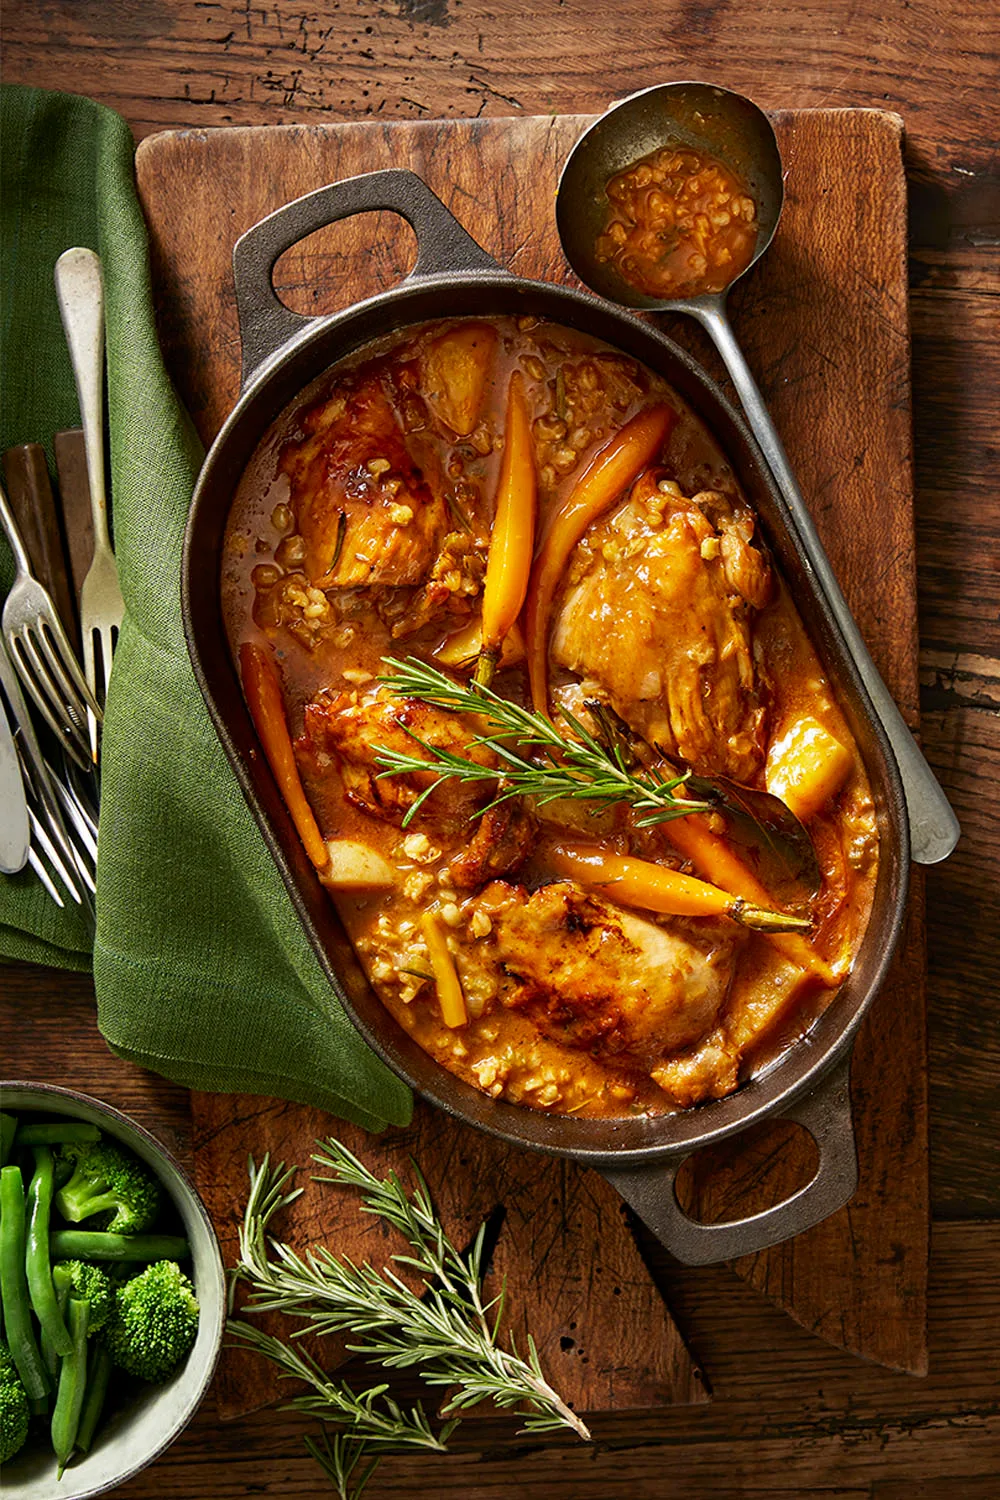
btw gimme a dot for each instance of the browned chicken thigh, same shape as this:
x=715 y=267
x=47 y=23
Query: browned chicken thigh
x=340 y=732
x=365 y=512
x=600 y=979
x=657 y=613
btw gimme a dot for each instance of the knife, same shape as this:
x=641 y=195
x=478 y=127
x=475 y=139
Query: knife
x=15 y=834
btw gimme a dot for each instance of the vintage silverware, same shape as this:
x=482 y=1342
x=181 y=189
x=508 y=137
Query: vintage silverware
x=41 y=652
x=52 y=853
x=30 y=497
x=74 y=503
x=730 y=127
x=80 y=291
x=15 y=833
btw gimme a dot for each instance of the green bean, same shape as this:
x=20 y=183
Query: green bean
x=54 y=1132
x=62 y=1281
x=37 y=1263
x=87 y=1244
x=14 y=1284
x=98 y=1376
x=72 y=1384
x=8 y=1129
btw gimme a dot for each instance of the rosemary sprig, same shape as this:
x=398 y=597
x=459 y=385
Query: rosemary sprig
x=446 y=1329
x=372 y=1416
x=340 y=1462
x=578 y=767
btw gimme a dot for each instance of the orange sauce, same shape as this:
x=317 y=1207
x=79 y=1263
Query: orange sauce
x=680 y=223
x=324 y=637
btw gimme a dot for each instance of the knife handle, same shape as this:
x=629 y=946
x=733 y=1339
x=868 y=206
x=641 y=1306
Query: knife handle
x=74 y=500
x=34 y=506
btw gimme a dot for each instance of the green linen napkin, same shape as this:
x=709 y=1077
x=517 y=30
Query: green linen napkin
x=201 y=968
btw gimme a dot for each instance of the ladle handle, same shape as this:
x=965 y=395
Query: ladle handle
x=934 y=828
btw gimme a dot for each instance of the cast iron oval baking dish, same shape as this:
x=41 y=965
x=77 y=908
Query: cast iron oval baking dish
x=282 y=354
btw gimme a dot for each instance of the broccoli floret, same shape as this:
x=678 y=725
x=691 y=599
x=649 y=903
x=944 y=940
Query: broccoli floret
x=153 y=1322
x=13 y=1407
x=89 y=1283
x=110 y=1187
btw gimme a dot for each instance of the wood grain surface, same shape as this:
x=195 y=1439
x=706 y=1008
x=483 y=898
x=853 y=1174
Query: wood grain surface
x=790 y=1415
x=824 y=322
x=574 y=1278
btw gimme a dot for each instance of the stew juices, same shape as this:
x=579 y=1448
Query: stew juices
x=547 y=826
x=679 y=224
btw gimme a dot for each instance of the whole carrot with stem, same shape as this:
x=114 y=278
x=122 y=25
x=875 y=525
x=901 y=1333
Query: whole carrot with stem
x=512 y=543
x=617 y=466
x=714 y=859
x=640 y=882
x=267 y=709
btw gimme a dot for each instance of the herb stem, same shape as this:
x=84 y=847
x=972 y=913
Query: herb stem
x=575 y=766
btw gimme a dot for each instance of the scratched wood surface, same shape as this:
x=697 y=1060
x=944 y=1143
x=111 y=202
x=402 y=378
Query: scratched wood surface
x=790 y=1415
x=828 y=335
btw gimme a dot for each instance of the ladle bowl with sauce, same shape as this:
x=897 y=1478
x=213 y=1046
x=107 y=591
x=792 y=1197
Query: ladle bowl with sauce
x=652 y=213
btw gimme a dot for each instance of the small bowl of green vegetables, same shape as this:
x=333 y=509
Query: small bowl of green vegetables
x=113 y=1294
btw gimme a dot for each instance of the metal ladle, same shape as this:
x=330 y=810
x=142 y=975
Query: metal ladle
x=731 y=128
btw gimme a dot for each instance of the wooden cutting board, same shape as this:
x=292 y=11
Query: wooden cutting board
x=825 y=325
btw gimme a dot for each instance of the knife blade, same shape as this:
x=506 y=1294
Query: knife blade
x=15 y=833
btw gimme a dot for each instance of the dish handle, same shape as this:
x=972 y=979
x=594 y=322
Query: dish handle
x=266 y=324
x=826 y=1114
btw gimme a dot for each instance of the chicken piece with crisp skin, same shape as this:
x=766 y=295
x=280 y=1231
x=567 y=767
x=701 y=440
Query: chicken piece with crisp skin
x=657 y=613
x=612 y=984
x=483 y=842
x=364 y=510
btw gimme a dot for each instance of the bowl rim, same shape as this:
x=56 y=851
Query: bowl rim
x=51 y=1095
x=283 y=378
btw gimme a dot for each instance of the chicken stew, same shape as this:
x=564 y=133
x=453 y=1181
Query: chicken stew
x=546 y=718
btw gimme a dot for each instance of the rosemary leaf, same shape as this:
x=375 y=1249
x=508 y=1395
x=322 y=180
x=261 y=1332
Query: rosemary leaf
x=544 y=763
x=448 y=1330
x=340 y=1460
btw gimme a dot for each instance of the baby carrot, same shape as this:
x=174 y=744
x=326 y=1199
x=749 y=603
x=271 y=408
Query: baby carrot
x=639 y=882
x=607 y=476
x=513 y=541
x=263 y=695
x=713 y=857
x=451 y=997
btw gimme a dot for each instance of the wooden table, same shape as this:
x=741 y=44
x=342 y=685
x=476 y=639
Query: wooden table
x=790 y=1416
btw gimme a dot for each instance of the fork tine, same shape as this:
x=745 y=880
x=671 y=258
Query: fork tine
x=63 y=656
x=43 y=875
x=84 y=818
x=35 y=676
x=63 y=665
x=107 y=635
x=38 y=683
x=49 y=849
x=89 y=667
x=84 y=846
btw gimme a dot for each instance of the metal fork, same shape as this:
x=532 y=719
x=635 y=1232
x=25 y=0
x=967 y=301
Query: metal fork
x=54 y=853
x=80 y=291
x=42 y=654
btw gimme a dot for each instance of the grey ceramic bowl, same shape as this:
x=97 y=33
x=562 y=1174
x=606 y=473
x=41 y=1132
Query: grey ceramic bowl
x=139 y=1430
